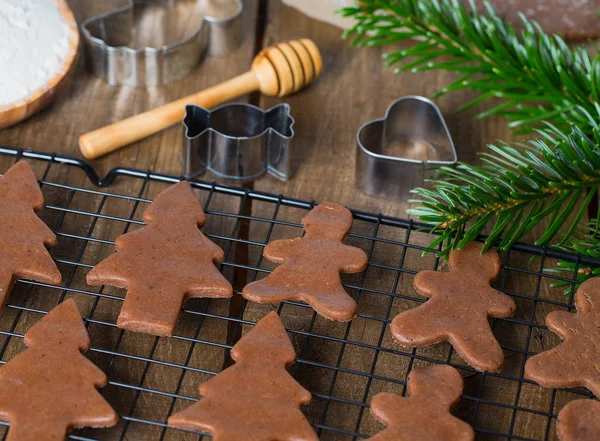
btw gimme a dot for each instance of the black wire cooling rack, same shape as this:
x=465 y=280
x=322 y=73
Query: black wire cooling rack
x=343 y=364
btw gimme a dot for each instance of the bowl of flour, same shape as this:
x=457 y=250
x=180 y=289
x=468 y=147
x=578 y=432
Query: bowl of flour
x=39 y=40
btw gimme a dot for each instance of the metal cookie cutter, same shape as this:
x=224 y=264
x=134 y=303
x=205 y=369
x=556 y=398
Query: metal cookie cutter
x=238 y=141
x=107 y=37
x=397 y=153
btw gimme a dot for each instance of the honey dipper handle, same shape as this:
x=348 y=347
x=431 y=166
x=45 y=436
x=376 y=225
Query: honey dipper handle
x=114 y=136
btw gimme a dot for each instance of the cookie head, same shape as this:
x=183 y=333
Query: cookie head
x=588 y=296
x=441 y=382
x=328 y=220
x=579 y=421
x=470 y=260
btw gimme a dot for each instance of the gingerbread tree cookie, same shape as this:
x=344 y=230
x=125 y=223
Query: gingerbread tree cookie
x=461 y=301
x=256 y=399
x=579 y=421
x=575 y=362
x=51 y=387
x=425 y=413
x=23 y=235
x=311 y=265
x=163 y=264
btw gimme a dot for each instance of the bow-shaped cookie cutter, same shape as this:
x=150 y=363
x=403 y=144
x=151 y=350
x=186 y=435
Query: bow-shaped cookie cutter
x=238 y=141
x=396 y=153
x=107 y=36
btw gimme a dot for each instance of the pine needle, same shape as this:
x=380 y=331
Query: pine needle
x=553 y=178
x=519 y=68
x=545 y=87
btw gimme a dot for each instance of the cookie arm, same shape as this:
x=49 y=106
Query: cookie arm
x=562 y=323
x=499 y=304
x=429 y=283
x=555 y=368
x=355 y=260
x=459 y=430
x=278 y=250
x=419 y=326
x=388 y=408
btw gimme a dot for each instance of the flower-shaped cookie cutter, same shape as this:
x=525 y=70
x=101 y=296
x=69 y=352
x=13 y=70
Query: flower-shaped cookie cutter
x=398 y=152
x=238 y=141
x=107 y=37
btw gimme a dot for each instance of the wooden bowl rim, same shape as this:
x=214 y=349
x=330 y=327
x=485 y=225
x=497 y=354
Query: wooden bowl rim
x=69 y=18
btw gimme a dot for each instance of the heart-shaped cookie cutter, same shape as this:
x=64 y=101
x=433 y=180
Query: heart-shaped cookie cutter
x=396 y=153
x=238 y=141
x=107 y=36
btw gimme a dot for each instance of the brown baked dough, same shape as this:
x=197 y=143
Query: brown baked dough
x=425 y=413
x=311 y=265
x=579 y=421
x=256 y=399
x=461 y=301
x=574 y=19
x=574 y=362
x=23 y=235
x=51 y=387
x=163 y=264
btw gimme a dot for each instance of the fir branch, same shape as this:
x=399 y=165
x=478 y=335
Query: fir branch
x=516 y=188
x=536 y=76
x=586 y=242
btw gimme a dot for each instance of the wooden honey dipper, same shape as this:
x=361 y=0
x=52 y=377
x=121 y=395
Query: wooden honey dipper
x=277 y=71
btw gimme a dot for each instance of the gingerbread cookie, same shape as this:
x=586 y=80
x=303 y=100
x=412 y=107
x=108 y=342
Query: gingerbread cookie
x=425 y=413
x=461 y=301
x=311 y=265
x=579 y=421
x=574 y=362
x=23 y=235
x=256 y=399
x=51 y=387
x=163 y=264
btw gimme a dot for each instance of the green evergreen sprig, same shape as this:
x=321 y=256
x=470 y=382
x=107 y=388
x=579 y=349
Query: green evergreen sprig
x=516 y=188
x=537 y=77
x=543 y=85
x=586 y=242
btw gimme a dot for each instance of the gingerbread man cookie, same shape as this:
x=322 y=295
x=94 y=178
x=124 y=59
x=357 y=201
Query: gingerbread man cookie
x=51 y=387
x=311 y=265
x=256 y=399
x=461 y=301
x=579 y=421
x=425 y=413
x=23 y=235
x=574 y=362
x=163 y=264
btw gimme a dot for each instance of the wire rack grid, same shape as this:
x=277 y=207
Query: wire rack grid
x=343 y=364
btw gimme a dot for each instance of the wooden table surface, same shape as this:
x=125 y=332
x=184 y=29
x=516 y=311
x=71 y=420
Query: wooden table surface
x=353 y=89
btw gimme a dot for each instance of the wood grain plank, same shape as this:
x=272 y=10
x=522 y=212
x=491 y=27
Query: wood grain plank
x=354 y=89
x=89 y=103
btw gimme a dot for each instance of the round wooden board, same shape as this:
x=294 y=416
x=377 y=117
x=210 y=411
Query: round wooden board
x=15 y=113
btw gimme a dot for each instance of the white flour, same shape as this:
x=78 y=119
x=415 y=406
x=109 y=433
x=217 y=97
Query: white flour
x=34 y=42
